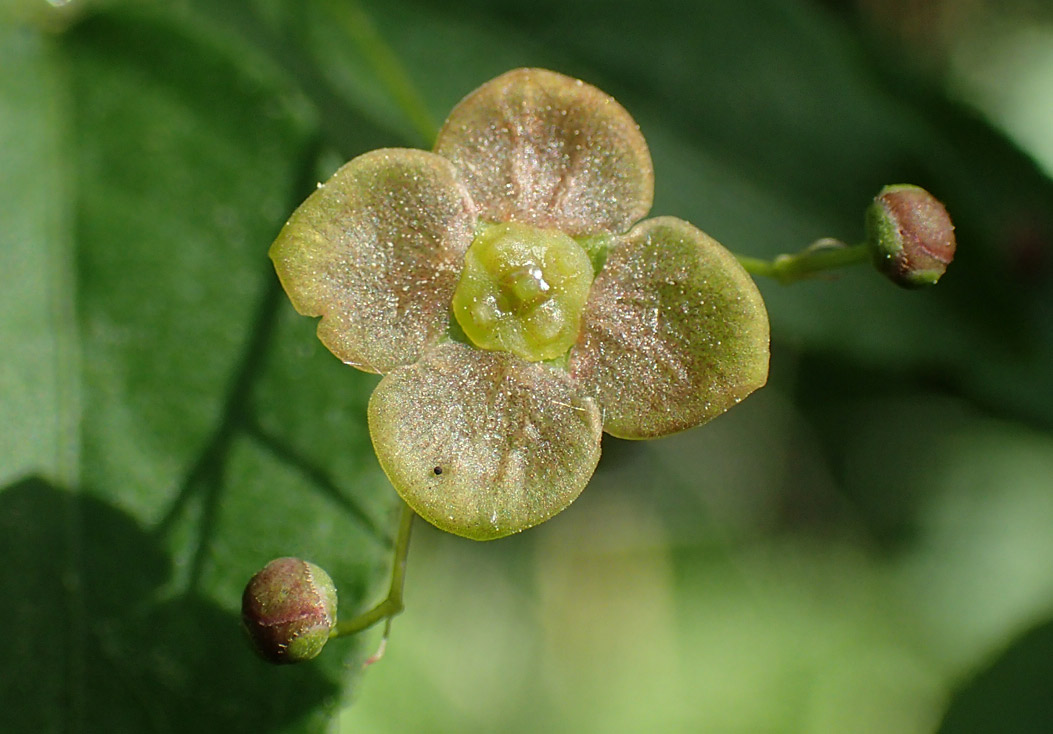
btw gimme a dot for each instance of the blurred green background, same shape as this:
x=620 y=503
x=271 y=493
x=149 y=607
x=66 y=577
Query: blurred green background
x=866 y=545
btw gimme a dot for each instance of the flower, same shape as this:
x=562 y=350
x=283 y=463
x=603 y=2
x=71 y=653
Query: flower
x=516 y=305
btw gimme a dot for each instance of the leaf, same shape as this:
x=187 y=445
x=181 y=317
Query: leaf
x=148 y=333
x=38 y=375
x=1010 y=695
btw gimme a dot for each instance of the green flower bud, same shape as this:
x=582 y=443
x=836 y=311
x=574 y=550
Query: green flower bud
x=288 y=610
x=910 y=235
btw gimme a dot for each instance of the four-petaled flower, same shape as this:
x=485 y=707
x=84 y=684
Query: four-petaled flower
x=500 y=286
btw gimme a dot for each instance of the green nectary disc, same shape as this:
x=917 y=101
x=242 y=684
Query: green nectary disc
x=523 y=290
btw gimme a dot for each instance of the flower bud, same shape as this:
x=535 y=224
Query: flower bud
x=288 y=609
x=910 y=235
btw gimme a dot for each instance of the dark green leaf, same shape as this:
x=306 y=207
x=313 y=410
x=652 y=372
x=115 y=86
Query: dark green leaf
x=149 y=170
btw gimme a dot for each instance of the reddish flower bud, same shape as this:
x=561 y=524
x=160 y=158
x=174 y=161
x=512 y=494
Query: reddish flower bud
x=910 y=235
x=288 y=610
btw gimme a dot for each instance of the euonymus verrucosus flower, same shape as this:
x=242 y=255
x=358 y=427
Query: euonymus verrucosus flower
x=516 y=305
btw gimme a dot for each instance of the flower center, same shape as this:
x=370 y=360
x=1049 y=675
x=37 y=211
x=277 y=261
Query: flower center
x=523 y=290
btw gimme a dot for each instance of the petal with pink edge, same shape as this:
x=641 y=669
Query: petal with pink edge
x=540 y=148
x=674 y=332
x=484 y=444
x=377 y=251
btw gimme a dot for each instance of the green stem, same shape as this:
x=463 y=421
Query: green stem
x=358 y=26
x=819 y=257
x=392 y=603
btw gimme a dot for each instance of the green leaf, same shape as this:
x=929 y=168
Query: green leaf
x=153 y=393
x=1010 y=695
x=38 y=376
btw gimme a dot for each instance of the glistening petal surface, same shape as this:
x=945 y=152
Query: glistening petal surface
x=674 y=332
x=376 y=251
x=484 y=444
x=541 y=148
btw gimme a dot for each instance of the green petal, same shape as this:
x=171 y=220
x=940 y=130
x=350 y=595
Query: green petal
x=675 y=332
x=544 y=149
x=484 y=444
x=377 y=252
